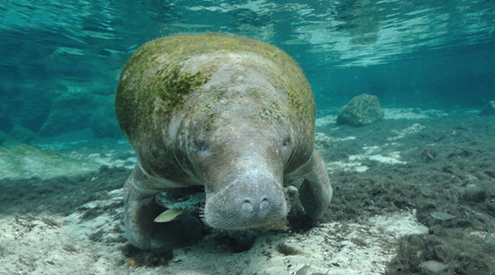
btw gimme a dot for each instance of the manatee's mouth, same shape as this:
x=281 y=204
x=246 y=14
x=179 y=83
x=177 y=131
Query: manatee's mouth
x=255 y=199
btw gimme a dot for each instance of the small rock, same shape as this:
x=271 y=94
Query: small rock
x=324 y=142
x=288 y=250
x=489 y=109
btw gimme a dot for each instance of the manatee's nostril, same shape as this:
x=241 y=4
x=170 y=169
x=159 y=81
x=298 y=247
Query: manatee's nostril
x=264 y=204
x=247 y=206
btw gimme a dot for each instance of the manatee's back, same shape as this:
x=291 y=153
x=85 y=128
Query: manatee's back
x=166 y=79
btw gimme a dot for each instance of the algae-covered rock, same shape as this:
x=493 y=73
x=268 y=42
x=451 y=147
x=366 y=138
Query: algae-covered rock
x=25 y=161
x=27 y=102
x=3 y=137
x=361 y=110
x=489 y=109
x=22 y=134
x=70 y=112
x=104 y=121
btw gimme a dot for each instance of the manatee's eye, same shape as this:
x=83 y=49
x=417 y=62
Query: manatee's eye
x=286 y=143
x=201 y=146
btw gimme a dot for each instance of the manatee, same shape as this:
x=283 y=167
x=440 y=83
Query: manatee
x=232 y=114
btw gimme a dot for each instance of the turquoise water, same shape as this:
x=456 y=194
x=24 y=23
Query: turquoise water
x=417 y=53
x=417 y=186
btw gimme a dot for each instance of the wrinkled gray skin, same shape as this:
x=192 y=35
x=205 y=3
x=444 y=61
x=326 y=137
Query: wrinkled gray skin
x=239 y=157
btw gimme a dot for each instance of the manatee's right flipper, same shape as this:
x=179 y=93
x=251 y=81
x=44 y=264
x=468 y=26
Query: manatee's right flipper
x=140 y=211
x=315 y=192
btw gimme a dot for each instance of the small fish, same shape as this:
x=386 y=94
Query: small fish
x=170 y=214
x=442 y=216
x=434 y=267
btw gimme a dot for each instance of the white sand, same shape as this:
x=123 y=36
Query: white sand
x=34 y=245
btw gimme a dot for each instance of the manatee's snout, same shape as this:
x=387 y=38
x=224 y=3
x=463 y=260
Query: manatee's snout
x=252 y=200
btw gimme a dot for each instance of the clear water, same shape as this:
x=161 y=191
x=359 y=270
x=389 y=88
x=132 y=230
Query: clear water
x=408 y=53
x=437 y=56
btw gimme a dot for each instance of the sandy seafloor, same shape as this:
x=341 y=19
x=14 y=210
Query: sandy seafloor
x=61 y=213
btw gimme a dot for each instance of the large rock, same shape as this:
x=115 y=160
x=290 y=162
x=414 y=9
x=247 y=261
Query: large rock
x=70 y=112
x=104 y=121
x=27 y=104
x=25 y=161
x=489 y=109
x=22 y=134
x=73 y=111
x=3 y=137
x=361 y=110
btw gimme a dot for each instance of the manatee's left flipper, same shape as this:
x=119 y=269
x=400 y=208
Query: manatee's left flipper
x=316 y=192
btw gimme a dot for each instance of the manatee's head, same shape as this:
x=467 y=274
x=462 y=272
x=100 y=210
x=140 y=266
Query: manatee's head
x=250 y=195
x=241 y=164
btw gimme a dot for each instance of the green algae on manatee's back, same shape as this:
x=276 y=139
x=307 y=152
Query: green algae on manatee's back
x=171 y=74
